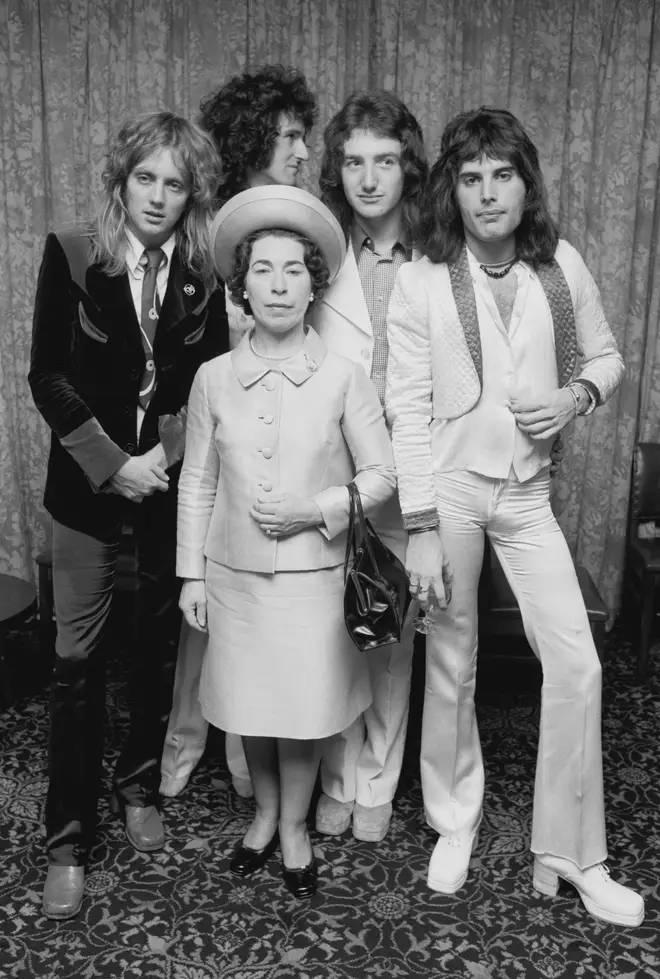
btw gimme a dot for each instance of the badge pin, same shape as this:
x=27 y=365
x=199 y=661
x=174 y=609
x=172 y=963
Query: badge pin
x=312 y=366
x=153 y=315
x=150 y=365
x=189 y=290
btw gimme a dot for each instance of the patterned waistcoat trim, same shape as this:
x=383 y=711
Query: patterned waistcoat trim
x=555 y=286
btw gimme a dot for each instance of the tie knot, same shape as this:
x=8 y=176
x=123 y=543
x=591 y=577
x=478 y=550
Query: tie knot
x=152 y=258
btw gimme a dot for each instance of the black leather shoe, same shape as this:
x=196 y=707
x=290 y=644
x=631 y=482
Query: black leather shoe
x=303 y=880
x=63 y=892
x=246 y=860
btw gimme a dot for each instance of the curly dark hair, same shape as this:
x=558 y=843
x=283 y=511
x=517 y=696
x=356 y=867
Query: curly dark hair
x=312 y=257
x=382 y=113
x=243 y=119
x=497 y=135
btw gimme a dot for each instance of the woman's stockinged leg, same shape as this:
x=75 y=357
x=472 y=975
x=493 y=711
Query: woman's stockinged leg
x=261 y=755
x=299 y=762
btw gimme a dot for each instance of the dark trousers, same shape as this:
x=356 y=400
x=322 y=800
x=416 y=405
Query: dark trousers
x=83 y=583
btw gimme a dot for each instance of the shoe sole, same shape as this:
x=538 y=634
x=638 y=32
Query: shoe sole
x=142 y=847
x=370 y=836
x=52 y=916
x=440 y=887
x=626 y=921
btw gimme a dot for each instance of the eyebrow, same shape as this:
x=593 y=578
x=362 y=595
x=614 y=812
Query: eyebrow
x=477 y=173
x=379 y=156
x=267 y=261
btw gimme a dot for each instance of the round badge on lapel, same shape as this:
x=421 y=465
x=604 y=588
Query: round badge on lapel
x=153 y=315
x=189 y=289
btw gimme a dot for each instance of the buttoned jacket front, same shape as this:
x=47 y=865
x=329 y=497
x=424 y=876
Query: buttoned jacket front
x=305 y=429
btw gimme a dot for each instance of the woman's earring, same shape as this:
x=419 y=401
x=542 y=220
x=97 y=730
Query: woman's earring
x=311 y=297
x=244 y=293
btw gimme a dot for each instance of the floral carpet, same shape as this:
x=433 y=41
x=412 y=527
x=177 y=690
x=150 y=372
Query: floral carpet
x=179 y=914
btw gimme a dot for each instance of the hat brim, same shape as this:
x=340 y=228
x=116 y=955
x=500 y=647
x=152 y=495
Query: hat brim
x=274 y=207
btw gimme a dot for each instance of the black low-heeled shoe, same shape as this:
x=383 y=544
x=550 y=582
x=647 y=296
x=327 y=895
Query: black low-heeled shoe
x=303 y=880
x=246 y=860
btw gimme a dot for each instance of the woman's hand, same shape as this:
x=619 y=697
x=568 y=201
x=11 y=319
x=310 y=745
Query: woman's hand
x=192 y=603
x=429 y=571
x=282 y=514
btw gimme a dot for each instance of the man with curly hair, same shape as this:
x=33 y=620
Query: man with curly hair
x=126 y=311
x=498 y=340
x=259 y=123
x=372 y=177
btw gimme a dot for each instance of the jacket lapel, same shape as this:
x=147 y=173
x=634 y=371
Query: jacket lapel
x=462 y=289
x=346 y=297
x=185 y=295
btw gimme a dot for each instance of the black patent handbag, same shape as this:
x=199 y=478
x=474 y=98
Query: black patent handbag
x=376 y=596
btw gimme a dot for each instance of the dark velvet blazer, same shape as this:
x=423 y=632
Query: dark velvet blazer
x=86 y=365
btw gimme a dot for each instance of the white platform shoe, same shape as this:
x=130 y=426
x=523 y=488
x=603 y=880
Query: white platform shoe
x=450 y=861
x=601 y=896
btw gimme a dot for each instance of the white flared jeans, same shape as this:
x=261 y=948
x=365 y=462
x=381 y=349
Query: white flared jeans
x=568 y=818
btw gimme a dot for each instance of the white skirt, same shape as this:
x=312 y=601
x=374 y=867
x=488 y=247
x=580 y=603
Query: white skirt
x=280 y=662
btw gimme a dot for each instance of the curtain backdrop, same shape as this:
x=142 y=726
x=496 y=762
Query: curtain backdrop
x=583 y=76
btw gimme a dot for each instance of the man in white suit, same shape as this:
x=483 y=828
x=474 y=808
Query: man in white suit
x=498 y=339
x=372 y=177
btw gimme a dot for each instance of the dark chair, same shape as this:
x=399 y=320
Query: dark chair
x=643 y=556
x=499 y=613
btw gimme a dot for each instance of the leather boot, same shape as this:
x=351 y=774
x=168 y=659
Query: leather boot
x=63 y=892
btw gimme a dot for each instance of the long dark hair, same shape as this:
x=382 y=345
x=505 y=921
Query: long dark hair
x=385 y=115
x=497 y=135
x=243 y=119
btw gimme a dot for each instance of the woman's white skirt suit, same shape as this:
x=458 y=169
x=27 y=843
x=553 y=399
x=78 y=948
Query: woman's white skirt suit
x=280 y=662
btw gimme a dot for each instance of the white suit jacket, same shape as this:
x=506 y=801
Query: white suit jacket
x=435 y=363
x=304 y=429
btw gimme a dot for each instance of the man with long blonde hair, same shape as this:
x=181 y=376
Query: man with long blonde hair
x=126 y=311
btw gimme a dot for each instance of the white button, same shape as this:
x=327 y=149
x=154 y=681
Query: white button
x=267 y=453
x=365 y=353
x=268 y=419
x=269 y=383
x=266 y=487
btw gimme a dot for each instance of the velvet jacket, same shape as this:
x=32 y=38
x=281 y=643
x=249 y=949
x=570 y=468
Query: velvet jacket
x=86 y=366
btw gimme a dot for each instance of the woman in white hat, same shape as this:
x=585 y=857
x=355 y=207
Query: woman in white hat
x=276 y=429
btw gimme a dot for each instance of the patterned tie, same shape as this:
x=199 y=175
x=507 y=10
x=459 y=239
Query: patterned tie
x=151 y=261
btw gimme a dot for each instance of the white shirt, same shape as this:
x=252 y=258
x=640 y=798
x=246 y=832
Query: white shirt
x=134 y=252
x=520 y=362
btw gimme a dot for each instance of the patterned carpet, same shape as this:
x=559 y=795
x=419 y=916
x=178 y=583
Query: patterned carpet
x=179 y=914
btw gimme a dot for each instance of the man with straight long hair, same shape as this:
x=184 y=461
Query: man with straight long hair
x=126 y=311
x=498 y=340
x=372 y=178
x=259 y=123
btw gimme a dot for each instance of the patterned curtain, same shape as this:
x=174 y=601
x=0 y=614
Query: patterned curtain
x=583 y=75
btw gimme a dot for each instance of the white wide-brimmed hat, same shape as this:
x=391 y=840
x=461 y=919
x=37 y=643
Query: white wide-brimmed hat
x=276 y=206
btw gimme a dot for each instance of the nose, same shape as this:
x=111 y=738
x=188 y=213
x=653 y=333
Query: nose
x=369 y=177
x=302 y=153
x=157 y=192
x=278 y=283
x=488 y=189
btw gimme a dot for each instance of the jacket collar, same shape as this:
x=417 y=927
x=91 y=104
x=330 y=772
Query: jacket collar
x=346 y=297
x=249 y=368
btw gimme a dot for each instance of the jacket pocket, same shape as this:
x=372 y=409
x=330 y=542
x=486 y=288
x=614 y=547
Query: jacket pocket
x=89 y=328
x=197 y=333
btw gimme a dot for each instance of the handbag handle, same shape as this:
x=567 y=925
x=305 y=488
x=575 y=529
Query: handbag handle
x=356 y=520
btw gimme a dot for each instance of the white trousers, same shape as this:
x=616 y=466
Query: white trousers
x=363 y=763
x=187 y=729
x=568 y=819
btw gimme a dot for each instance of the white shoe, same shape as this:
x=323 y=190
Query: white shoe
x=171 y=785
x=601 y=896
x=243 y=786
x=450 y=860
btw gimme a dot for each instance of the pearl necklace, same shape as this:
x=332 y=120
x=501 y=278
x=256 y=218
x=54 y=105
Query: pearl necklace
x=270 y=356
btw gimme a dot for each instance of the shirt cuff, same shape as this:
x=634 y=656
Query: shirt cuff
x=95 y=452
x=421 y=520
